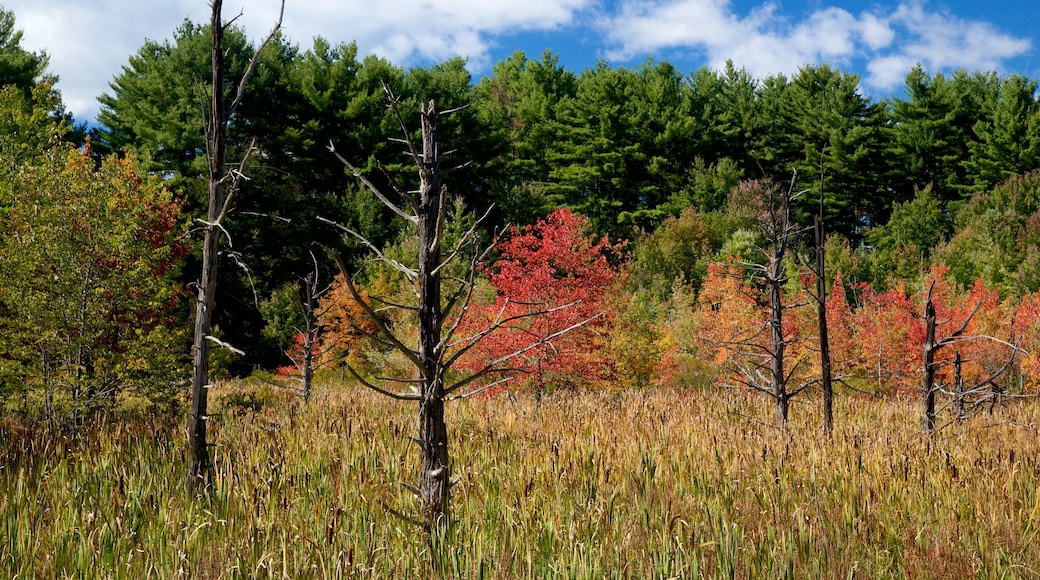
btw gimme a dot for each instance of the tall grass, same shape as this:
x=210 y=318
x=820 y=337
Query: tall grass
x=637 y=484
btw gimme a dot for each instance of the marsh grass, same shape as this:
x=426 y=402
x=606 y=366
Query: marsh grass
x=651 y=484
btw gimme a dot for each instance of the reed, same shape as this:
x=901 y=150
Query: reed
x=652 y=484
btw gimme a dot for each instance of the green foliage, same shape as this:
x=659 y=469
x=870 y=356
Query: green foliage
x=933 y=131
x=1008 y=134
x=283 y=315
x=18 y=67
x=707 y=186
x=903 y=246
x=823 y=128
x=87 y=289
x=675 y=253
x=27 y=125
x=621 y=141
x=998 y=238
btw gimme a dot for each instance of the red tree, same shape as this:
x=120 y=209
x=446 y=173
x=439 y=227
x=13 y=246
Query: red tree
x=549 y=277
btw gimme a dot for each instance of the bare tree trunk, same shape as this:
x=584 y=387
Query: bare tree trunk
x=200 y=466
x=310 y=334
x=779 y=234
x=826 y=379
x=433 y=433
x=931 y=347
x=928 y=370
x=958 y=382
x=776 y=324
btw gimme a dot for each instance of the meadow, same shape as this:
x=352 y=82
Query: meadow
x=634 y=484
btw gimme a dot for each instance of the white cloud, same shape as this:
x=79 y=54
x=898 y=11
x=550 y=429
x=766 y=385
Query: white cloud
x=89 y=40
x=941 y=41
x=889 y=42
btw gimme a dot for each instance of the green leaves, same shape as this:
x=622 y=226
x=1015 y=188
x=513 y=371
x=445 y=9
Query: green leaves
x=87 y=286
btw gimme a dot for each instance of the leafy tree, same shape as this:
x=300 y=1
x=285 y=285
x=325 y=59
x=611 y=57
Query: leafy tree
x=676 y=252
x=347 y=329
x=521 y=100
x=1008 y=136
x=889 y=338
x=89 y=259
x=726 y=109
x=31 y=112
x=19 y=67
x=903 y=246
x=998 y=239
x=623 y=142
x=823 y=128
x=27 y=126
x=552 y=267
x=933 y=131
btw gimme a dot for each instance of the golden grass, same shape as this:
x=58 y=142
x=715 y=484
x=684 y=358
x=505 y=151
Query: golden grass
x=649 y=484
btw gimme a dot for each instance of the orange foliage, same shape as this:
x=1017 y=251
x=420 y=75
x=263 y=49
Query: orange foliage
x=345 y=326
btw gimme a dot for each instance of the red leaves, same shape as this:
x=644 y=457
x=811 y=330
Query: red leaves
x=549 y=277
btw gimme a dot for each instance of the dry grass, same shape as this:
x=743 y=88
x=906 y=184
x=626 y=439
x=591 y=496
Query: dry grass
x=634 y=484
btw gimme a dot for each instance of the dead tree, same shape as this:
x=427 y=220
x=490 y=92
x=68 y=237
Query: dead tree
x=826 y=378
x=439 y=309
x=761 y=351
x=221 y=187
x=312 y=354
x=963 y=398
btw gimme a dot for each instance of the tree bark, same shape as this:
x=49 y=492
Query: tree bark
x=826 y=380
x=200 y=466
x=433 y=433
x=928 y=369
x=775 y=279
x=310 y=334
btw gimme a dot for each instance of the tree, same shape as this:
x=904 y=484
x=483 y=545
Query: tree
x=933 y=131
x=822 y=125
x=306 y=352
x=998 y=238
x=20 y=68
x=1008 y=136
x=903 y=246
x=986 y=357
x=87 y=296
x=554 y=268
x=200 y=466
x=521 y=100
x=676 y=252
x=753 y=340
x=31 y=111
x=621 y=143
x=443 y=280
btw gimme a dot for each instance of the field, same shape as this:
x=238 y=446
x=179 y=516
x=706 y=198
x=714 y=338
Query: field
x=651 y=484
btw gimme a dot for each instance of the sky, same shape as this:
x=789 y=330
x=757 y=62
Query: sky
x=89 y=41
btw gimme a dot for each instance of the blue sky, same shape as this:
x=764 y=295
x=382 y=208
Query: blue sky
x=90 y=40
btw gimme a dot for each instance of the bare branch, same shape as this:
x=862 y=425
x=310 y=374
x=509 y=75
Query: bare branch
x=410 y=273
x=387 y=334
x=483 y=389
x=252 y=64
x=491 y=367
x=375 y=190
x=463 y=241
x=395 y=104
x=410 y=396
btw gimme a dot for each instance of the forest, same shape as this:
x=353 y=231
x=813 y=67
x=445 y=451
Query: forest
x=619 y=322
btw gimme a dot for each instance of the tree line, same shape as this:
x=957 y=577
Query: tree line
x=654 y=161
